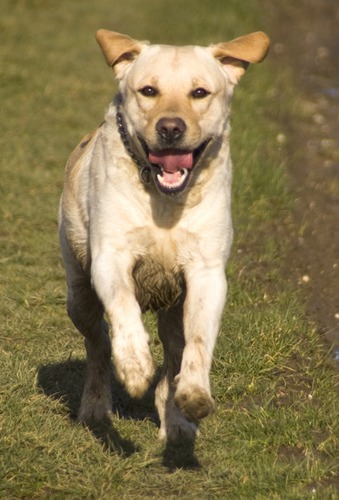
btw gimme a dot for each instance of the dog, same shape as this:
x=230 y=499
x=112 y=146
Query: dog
x=145 y=223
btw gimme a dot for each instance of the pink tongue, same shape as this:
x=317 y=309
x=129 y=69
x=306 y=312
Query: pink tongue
x=172 y=160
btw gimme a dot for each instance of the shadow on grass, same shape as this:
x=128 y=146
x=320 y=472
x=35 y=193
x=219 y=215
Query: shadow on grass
x=65 y=381
x=180 y=455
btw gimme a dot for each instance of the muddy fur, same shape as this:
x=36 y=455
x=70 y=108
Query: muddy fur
x=156 y=287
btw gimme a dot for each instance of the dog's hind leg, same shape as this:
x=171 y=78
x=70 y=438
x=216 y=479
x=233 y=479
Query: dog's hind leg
x=173 y=424
x=86 y=313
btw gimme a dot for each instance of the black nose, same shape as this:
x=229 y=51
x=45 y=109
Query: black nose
x=171 y=129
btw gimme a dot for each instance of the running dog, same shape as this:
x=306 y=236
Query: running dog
x=145 y=223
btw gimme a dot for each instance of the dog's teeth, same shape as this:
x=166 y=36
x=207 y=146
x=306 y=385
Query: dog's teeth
x=184 y=174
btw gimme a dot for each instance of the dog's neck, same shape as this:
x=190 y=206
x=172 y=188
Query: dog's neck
x=145 y=168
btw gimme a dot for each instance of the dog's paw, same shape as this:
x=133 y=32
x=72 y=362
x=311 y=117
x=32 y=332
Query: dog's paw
x=94 y=409
x=135 y=371
x=194 y=402
x=178 y=428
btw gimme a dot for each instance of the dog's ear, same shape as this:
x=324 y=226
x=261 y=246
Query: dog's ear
x=119 y=50
x=237 y=54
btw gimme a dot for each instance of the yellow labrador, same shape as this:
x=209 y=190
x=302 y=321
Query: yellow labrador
x=145 y=223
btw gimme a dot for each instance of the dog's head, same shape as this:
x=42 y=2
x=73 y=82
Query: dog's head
x=176 y=99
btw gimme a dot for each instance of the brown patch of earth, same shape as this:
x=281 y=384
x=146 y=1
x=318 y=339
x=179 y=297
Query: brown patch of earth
x=305 y=36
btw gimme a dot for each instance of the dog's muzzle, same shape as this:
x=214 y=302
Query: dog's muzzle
x=169 y=168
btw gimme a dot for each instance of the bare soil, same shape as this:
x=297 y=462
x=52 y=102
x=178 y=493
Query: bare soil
x=305 y=36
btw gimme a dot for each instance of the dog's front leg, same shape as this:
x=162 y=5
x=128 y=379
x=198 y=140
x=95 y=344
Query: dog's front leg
x=206 y=292
x=112 y=280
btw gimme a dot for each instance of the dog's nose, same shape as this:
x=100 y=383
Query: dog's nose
x=171 y=129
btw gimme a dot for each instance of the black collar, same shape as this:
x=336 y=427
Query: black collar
x=145 y=169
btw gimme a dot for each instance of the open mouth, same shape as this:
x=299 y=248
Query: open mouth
x=174 y=167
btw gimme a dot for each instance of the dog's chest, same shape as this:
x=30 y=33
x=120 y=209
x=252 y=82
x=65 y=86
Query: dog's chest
x=156 y=286
x=158 y=272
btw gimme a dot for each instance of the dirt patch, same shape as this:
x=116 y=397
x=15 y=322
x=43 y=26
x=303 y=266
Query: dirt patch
x=305 y=36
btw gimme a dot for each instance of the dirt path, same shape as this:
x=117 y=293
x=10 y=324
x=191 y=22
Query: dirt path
x=306 y=37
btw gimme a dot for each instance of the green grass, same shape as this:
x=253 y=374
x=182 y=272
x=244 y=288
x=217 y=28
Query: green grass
x=275 y=433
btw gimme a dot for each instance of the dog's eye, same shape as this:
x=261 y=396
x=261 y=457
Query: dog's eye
x=148 y=91
x=199 y=93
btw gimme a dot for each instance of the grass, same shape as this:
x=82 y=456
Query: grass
x=275 y=433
